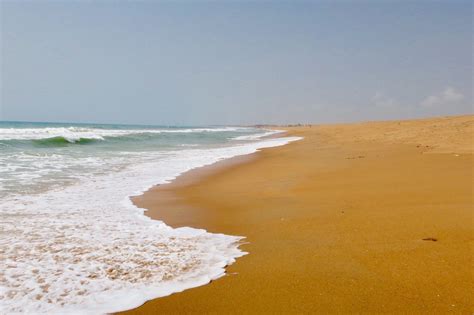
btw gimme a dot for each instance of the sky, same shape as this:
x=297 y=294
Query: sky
x=234 y=62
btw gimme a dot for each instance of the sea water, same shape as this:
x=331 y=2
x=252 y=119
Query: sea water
x=72 y=242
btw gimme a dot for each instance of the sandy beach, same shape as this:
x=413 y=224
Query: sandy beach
x=355 y=218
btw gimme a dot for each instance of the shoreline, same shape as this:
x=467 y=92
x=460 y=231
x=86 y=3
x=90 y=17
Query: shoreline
x=117 y=257
x=163 y=193
x=348 y=249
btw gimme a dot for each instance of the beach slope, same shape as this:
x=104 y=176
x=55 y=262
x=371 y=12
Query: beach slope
x=369 y=217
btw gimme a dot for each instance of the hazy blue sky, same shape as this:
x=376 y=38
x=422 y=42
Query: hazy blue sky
x=236 y=62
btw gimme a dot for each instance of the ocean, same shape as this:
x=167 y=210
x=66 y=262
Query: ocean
x=71 y=241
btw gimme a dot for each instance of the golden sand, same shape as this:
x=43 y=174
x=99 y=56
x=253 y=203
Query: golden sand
x=370 y=217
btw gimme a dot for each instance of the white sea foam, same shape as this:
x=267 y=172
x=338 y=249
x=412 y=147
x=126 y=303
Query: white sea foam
x=257 y=136
x=74 y=134
x=86 y=249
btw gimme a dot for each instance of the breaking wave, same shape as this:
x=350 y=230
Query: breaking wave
x=74 y=134
x=77 y=135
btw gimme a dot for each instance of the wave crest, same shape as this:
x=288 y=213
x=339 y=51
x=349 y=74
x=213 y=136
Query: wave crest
x=77 y=134
x=60 y=141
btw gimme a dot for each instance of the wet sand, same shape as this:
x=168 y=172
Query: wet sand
x=356 y=218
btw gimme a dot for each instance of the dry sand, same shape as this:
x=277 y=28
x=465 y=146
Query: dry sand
x=357 y=218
